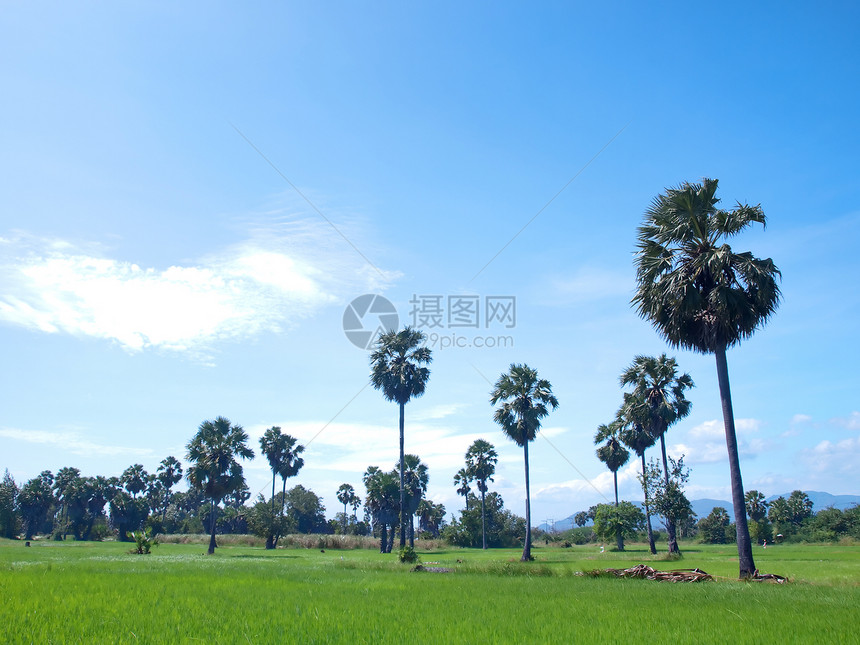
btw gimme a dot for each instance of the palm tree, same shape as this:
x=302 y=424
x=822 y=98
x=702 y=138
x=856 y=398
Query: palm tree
x=524 y=399
x=381 y=501
x=169 y=473
x=415 y=480
x=214 y=470
x=397 y=368
x=632 y=419
x=134 y=479
x=703 y=296
x=614 y=455
x=656 y=381
x=291 y=464
x=481 y=459
x=273 y=446
x=346 y=495
x=462 y=479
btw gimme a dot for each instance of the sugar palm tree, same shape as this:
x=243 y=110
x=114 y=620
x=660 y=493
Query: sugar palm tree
x=525 y=400
x=381 y=502
x=273 y=446
x=291 y=464
x=169 y=474
x=632 y=419
x=415 y=480
x=614 y=455
x=346 y=496
x=398 y=369
x=462 y=480
x=481 y=459
x=703 y=296
x=656 y=381
x=214 y=471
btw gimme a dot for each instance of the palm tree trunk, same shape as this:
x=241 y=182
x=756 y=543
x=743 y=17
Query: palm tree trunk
x=527 y=546
x=647 y=510
x=270 y=538
x=745 y=555
x=483 y=521
x=383 y=536
x=212 y=534
x=619 y=539
x=402 y=492
x=670 y=521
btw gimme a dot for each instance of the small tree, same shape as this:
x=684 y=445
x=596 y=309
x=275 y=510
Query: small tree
x=716 y=528
x=610 y=520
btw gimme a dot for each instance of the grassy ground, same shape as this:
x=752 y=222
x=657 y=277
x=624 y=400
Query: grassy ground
x=97 y=592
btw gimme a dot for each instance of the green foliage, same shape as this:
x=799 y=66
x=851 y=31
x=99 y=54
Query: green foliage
x=407 y=555
x=504 y=529
x=10 y=522
x=627 y=519
x=717 y=528
x=143 y=541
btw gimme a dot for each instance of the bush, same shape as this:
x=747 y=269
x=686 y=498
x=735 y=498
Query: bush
x=407 y=555
x=143 y=541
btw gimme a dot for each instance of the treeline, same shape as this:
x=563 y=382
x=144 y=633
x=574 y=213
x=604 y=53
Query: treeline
x=791 y=519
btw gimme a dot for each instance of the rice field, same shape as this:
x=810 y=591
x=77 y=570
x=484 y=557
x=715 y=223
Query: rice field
x=98 y=593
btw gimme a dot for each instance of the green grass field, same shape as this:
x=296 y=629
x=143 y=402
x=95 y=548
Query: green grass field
x=98 y=593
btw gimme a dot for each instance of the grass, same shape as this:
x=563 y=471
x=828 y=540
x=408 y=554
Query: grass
x=96 y=592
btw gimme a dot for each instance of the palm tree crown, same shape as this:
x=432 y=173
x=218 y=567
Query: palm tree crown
x=699 y=293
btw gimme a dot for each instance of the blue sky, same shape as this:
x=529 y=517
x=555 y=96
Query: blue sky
x=192 y=195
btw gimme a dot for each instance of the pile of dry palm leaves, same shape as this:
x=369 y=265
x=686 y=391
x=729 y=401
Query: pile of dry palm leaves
x=644 y=571
x=678 y=575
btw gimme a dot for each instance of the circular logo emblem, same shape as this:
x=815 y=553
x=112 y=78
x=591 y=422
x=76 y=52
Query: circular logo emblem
x=366 y=317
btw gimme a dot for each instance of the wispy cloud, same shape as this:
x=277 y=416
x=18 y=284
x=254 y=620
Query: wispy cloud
x=706 y=443
x=835 y=457
x=263 y=284
x=851 y=422
x=72 y=442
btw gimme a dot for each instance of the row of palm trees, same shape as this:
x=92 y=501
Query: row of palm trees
x=698 y=294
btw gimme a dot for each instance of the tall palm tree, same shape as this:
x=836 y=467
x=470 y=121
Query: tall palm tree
x=169 y=473
x=524 y=399
x=703 y=296
x=415 y=479
x=346 y=495
x=632 y=419
x=214 y=470
x=381 y=501
x=134 y=479
x=614 y=455
x=656 y=381
x=291 y=464
x=481 y=459
x=398 y=368
x=462 y=480
x=273 y=446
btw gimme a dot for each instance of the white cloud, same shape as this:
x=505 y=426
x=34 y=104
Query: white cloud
x=706 y=442
x=553 y=431
x=265 y=284
x=852 y=422
x=73 y=443
x=840 y=457
x=800 y=418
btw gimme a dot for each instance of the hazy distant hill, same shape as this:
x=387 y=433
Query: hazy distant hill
x=703 y=507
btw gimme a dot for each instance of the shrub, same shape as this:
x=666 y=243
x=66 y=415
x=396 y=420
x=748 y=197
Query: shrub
x=143 y=542
x=407 y=555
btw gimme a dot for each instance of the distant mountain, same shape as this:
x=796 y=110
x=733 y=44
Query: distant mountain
x=703 y=507
x=824 y=500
